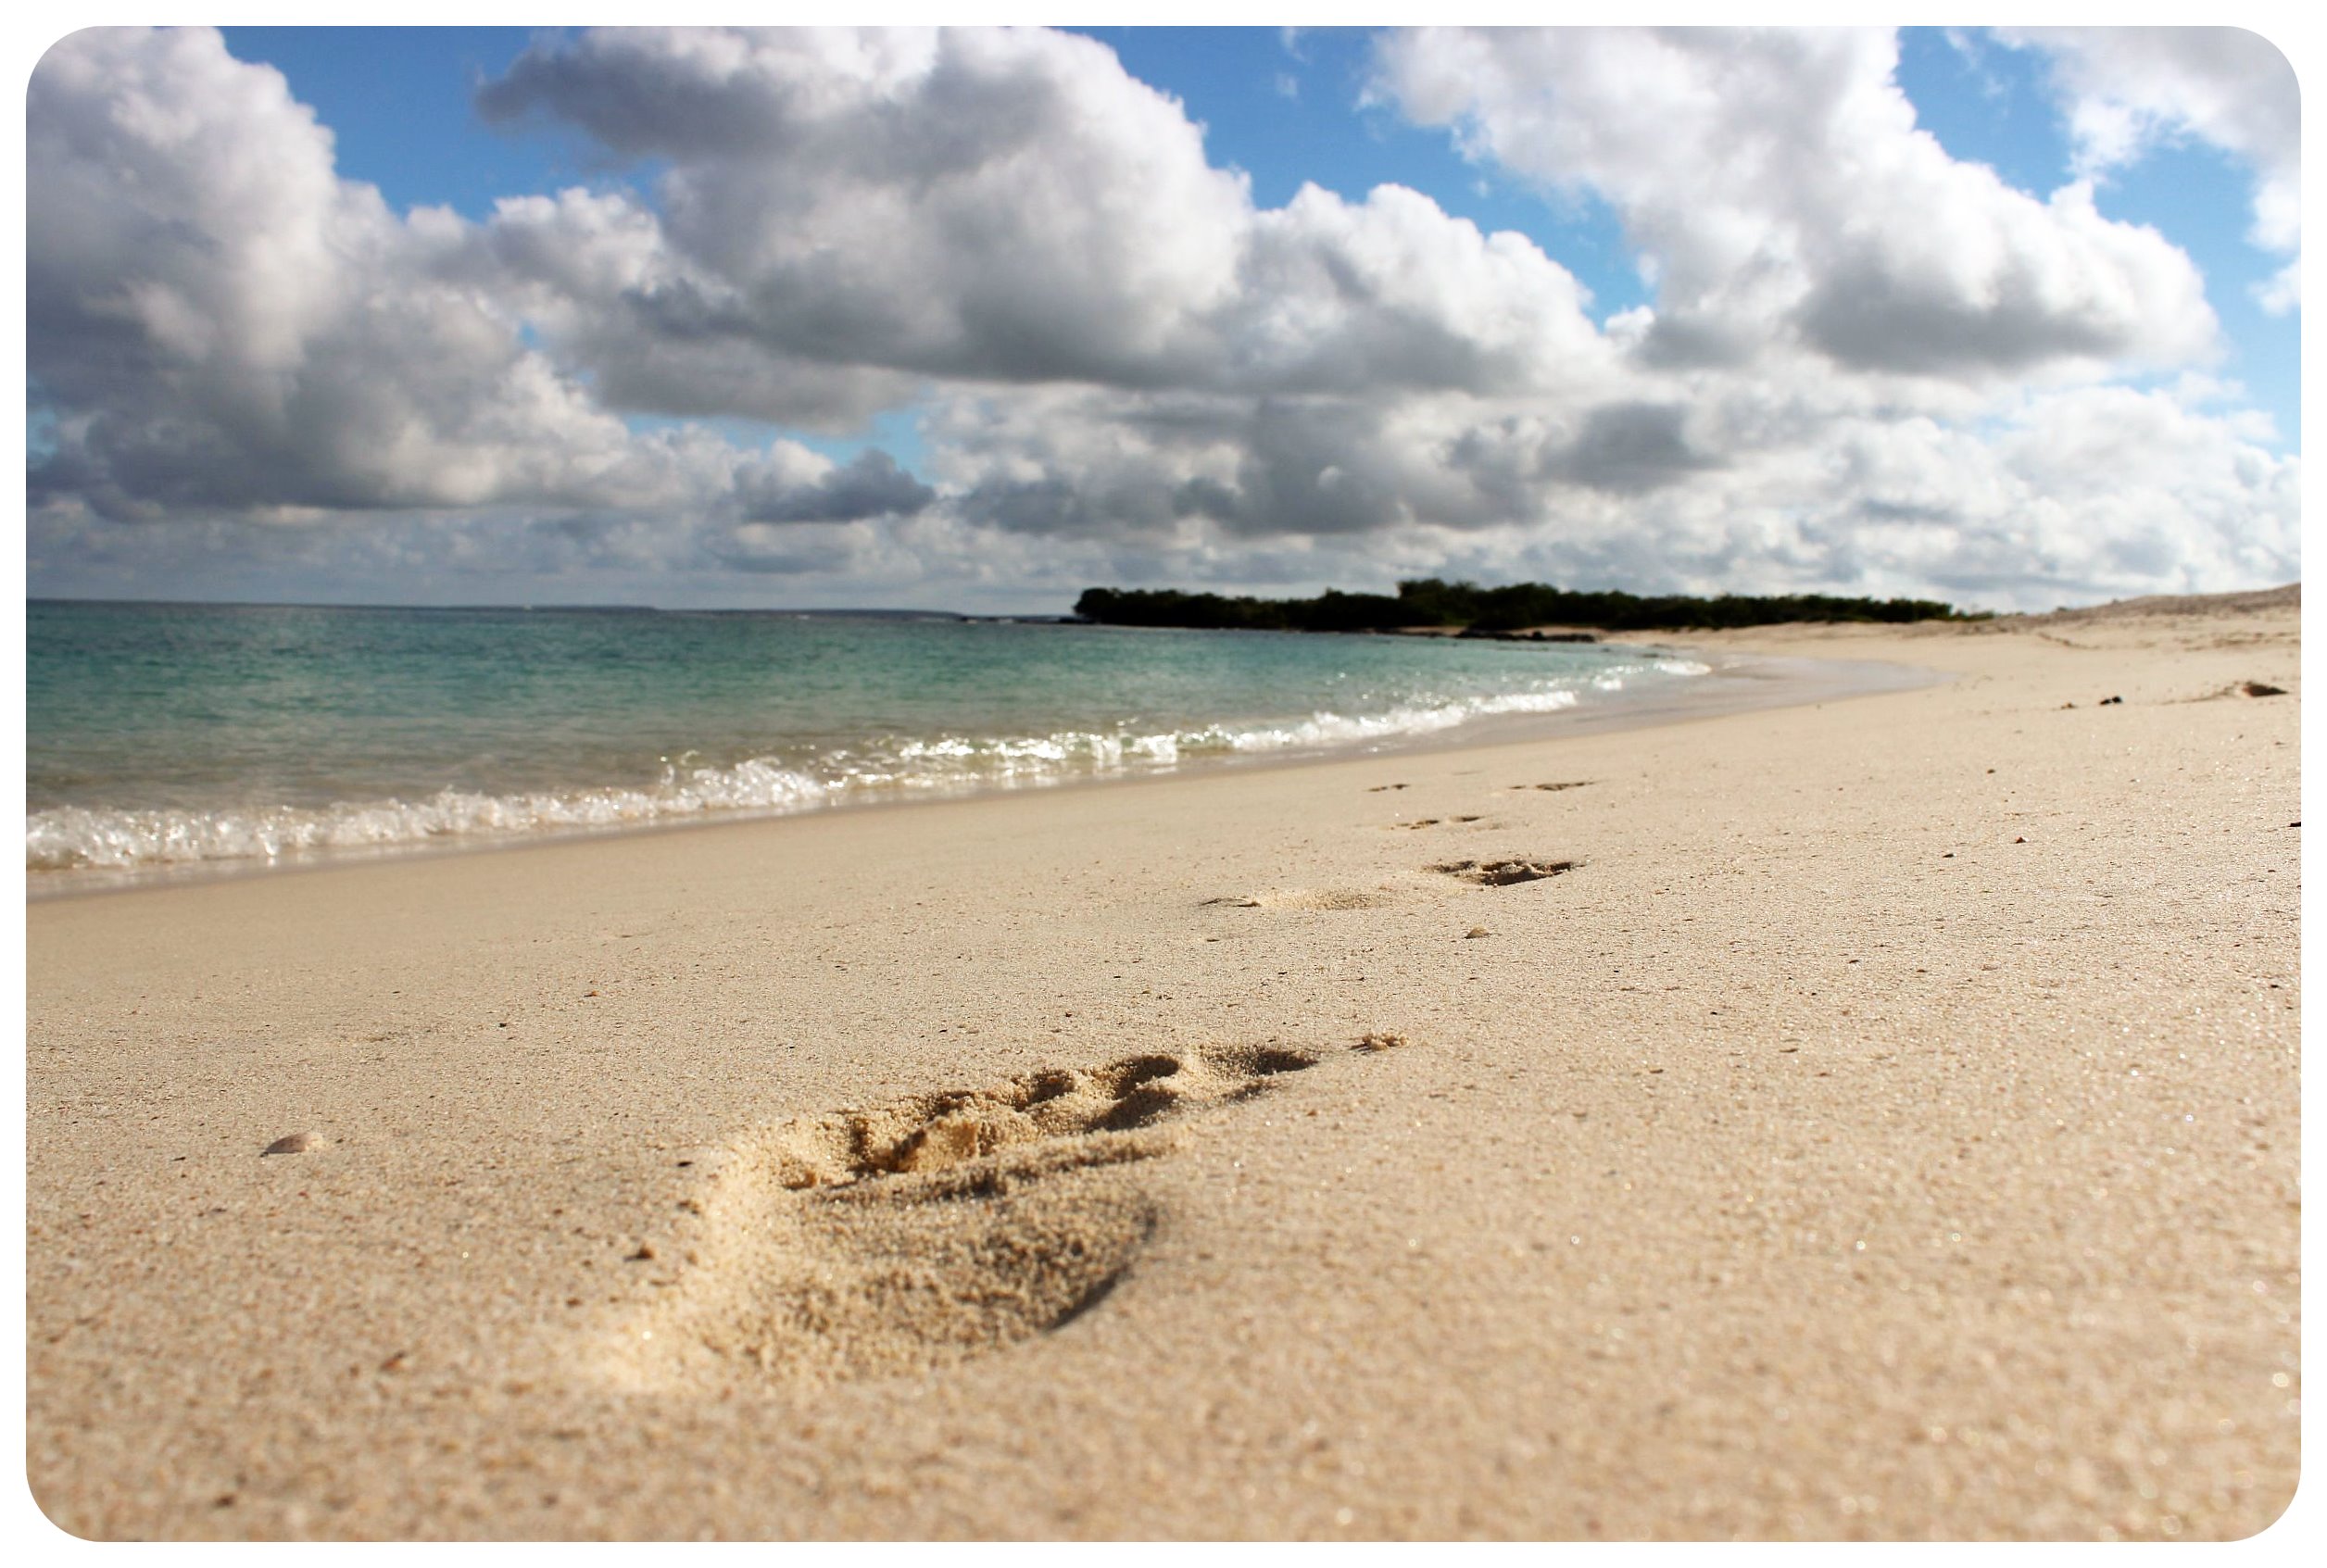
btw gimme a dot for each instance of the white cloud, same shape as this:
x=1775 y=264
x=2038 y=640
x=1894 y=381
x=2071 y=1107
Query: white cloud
x=2129 y=89
x=1006 y=205
x=1866 y=368
x=2056 y=496
x=990 y=205
x=217 y=321
x=1782 y=191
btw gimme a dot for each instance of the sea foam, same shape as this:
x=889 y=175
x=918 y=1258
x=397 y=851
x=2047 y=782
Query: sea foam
x=65 y=838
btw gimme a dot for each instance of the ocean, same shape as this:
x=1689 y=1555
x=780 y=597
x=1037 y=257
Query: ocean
x=165 y=737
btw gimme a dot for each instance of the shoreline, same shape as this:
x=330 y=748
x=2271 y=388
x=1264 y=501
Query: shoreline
x=1875 y=1119
x=1723 y=690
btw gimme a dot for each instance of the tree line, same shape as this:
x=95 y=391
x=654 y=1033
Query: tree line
x=1429 y=601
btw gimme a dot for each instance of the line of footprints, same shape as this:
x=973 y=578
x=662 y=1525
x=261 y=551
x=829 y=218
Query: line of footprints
x=874 y=1243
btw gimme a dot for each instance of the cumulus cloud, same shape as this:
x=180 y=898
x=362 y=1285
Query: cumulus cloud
x=215 y=319
x=2053 y=496
x=1194 y=470
x=1865 y=366
x=999 y=205
x=597 y=278
x=1778 y=187
x=792 y=484
x=2129 y=88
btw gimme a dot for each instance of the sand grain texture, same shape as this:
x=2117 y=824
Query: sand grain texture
x=1885 y=1125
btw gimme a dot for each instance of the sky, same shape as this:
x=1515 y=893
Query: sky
x=975 y=320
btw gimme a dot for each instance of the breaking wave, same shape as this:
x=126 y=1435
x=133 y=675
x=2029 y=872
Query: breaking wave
x=65 y=838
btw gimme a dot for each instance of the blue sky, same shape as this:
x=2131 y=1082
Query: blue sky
x=790 y=318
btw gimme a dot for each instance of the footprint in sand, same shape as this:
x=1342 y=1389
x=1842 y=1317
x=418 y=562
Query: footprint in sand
x=1503 y=873
x=871 y=1242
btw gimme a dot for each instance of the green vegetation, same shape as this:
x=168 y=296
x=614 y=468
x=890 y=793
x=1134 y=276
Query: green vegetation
x=1429 y=602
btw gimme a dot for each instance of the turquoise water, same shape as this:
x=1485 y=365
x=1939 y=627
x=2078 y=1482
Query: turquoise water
x=161 y=735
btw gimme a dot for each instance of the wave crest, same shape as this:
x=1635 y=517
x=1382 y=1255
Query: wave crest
x=74 y=837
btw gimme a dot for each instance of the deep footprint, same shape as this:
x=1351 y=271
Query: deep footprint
x=1503 y=873
x=872 y=1243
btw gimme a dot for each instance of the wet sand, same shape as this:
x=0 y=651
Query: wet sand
x=1876 y=1118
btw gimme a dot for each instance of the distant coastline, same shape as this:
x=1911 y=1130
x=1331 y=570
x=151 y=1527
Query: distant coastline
x=1530 y=611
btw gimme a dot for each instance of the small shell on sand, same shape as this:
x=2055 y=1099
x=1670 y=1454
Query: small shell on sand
x=291 y=1143
x=1477 y=931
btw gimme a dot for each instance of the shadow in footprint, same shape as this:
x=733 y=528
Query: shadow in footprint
x=871 y=1242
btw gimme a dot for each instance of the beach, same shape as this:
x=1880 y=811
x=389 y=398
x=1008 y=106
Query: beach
x=1873 y=1118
